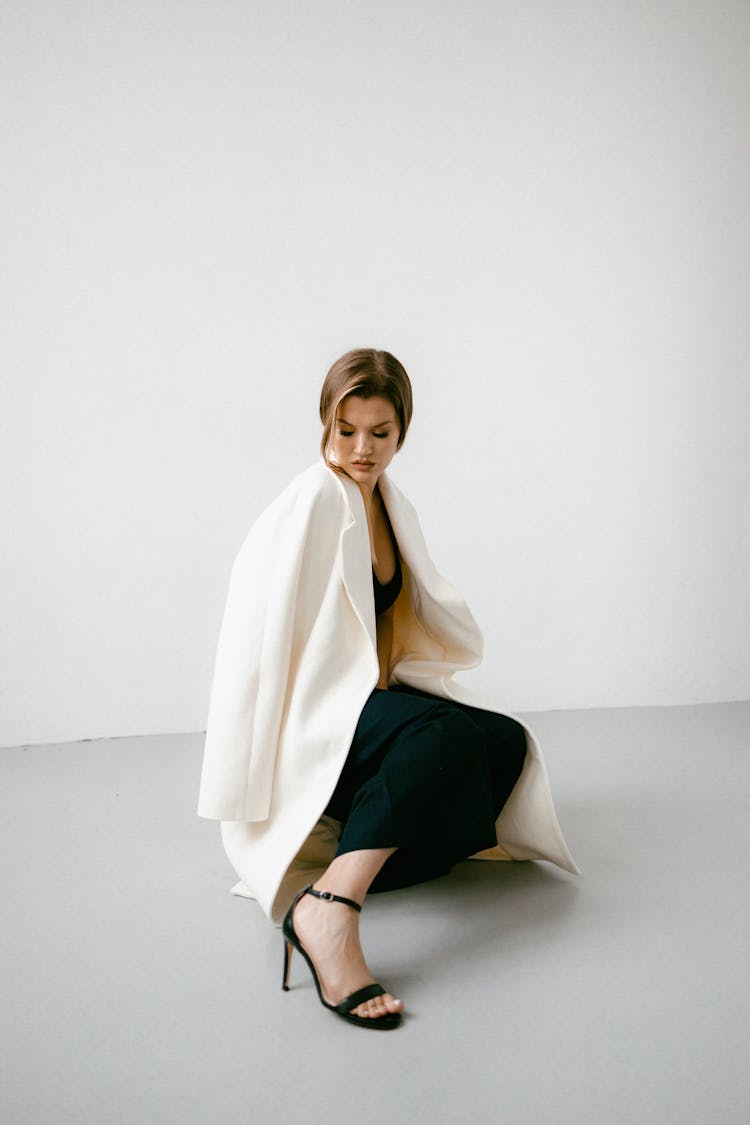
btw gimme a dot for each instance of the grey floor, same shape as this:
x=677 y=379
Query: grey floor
x=137 y=989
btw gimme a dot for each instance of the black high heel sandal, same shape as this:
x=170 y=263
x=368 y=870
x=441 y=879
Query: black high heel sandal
x=344 y=1009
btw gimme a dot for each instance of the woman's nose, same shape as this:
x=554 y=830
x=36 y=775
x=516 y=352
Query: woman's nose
x=363 y=445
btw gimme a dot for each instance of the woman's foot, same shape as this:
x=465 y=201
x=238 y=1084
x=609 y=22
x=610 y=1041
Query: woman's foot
x=329 y=931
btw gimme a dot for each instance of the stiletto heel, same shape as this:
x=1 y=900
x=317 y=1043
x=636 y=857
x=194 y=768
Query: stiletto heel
x=345 y=1008
x=287 y=962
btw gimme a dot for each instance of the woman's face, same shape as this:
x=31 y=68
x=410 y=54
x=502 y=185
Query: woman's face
x=365 y=436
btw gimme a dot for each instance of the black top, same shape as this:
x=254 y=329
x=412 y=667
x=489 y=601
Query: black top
x=386 y=594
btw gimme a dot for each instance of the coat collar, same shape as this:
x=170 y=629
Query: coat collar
x=402 y=521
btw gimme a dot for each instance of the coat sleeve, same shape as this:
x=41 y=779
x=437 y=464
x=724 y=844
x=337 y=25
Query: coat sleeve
x=252 y=663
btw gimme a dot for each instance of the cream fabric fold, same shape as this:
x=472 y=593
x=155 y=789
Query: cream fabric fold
x=296 y=661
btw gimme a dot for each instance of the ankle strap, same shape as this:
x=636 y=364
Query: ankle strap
x=327 y=896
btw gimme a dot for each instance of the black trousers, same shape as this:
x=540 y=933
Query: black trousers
x=428 y=776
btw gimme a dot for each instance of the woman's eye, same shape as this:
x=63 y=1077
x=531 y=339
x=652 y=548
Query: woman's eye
x=348 y=433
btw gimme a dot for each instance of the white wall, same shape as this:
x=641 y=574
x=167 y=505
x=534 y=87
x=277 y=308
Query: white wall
x=541 y=208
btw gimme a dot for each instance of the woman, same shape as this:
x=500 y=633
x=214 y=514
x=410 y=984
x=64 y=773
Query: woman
x=341 y=756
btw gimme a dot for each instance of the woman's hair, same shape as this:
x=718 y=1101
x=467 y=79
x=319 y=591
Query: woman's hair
x=364 y=372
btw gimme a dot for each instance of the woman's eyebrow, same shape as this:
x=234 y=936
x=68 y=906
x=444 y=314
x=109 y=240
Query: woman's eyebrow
x=388 y=422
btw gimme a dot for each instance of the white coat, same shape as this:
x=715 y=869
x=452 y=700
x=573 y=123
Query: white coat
x=295 y=664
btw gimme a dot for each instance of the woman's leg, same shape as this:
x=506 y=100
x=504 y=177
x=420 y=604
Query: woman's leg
x=418 y=761
x=329 y=931
x=505 y=743
x=500 y=742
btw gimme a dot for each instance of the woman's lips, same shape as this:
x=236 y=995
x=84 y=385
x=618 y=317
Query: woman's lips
x=363 y=464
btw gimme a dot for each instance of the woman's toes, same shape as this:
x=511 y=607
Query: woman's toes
x=379 y=1006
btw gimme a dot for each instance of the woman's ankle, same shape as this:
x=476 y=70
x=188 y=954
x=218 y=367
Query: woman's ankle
x=352 y=873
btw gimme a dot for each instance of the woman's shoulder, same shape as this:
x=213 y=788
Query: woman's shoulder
x=310 y=505
x=313 y=485
x=310 y=492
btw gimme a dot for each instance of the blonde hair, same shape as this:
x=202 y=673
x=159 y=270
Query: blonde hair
x=365 y=373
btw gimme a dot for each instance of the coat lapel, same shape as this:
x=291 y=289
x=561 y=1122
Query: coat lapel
x=356 y=559
x=406 y=530
x=438 y=605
